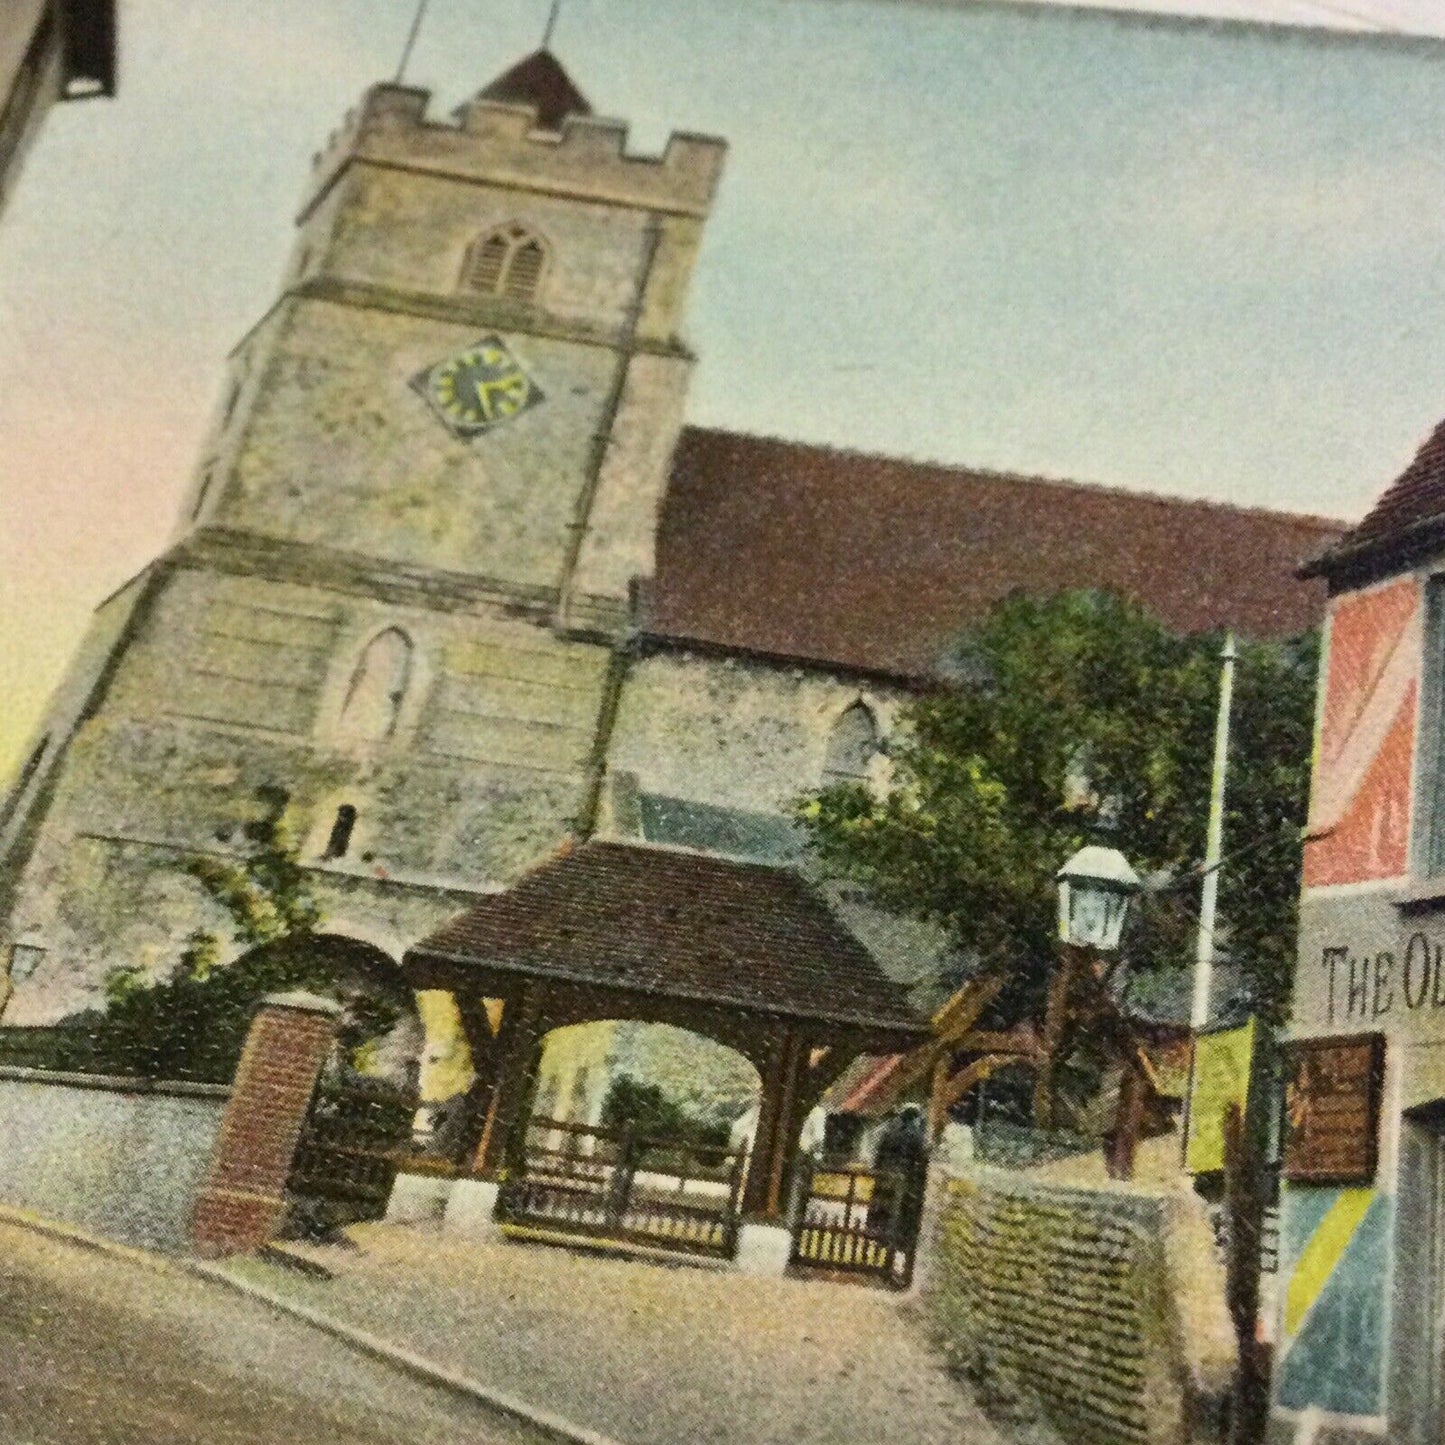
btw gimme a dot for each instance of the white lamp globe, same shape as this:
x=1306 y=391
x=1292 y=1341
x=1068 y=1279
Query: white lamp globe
x=1095 y=887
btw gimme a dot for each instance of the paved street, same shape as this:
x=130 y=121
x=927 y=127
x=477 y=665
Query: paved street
x=648 y=1354
x=101 y=1351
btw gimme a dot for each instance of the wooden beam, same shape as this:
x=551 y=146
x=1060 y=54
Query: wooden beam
x=953 y=1018
x=1019 y=1041
x=955 y=1088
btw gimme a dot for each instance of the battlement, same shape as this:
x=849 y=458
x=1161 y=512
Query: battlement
x=502 y=143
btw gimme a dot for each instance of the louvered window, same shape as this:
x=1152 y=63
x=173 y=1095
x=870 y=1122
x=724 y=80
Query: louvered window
x=509 y=262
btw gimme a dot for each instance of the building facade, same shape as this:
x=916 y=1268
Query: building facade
x=49 y=50
x=1363 y=1237
x=457 y=582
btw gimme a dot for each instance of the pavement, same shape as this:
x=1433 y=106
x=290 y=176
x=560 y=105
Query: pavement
x=640 y=1353
x=108 y=1346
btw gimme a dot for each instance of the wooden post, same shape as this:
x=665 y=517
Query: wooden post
x=763 y=1193
x=1244 y=1213
x=1128 y=1121
x=1055 y=1018
x=517 y=1040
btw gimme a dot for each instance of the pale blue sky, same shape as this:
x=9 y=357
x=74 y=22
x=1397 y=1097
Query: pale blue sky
x=1198 y=260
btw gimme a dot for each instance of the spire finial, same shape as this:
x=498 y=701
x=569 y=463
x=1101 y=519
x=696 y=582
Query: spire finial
x=552 y=15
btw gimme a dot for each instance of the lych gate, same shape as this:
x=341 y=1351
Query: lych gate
x=745 y=954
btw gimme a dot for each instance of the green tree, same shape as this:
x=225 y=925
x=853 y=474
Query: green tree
x=1062 y=715
x=192 y=1023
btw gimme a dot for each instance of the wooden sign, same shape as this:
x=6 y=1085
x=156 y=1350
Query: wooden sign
x=1332 y=1109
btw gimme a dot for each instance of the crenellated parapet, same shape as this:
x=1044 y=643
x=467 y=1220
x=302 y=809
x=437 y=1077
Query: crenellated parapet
x=502 y=143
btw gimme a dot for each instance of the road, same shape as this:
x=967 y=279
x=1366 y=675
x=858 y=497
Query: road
x=96 y=1350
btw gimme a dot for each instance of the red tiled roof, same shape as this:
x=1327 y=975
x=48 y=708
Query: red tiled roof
x=875 y=562
x=1413 y=500
x=681 y=925
x=542 y=81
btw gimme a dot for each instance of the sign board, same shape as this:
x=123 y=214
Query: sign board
x=1332 y=1109
x=1218 y=1077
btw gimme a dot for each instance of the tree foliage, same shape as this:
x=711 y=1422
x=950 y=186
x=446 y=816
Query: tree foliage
x=650 y=1113
x=192 y=1023
x=1063 y=715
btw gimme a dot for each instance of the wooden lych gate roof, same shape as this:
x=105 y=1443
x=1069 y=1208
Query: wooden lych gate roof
x=683 y=926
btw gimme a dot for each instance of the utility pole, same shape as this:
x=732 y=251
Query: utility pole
x=1204 y=950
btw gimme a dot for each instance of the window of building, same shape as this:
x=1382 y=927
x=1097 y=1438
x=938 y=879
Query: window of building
x=852 y=746
x=341 y=831
x=508 y=262
x=378 y=687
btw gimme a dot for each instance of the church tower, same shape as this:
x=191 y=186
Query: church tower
x=408 y=552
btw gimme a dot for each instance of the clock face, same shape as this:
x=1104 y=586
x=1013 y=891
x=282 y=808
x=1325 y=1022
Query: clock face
x=479 y=388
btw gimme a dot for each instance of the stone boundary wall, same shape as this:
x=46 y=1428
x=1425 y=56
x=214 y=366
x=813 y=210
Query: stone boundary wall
x=1074 y=1295
x=122 y=1157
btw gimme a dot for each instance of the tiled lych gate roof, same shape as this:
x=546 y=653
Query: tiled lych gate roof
x=681 y=925
x=875 y=562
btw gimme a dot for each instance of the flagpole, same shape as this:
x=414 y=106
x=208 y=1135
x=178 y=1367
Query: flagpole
x=416 y=20
x=1208 y=903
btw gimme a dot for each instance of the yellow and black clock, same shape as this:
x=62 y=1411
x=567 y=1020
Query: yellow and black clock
x=479 y=388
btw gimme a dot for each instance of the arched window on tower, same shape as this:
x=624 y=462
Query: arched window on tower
x=378 y=687
x=852 y=745
x=507 y=262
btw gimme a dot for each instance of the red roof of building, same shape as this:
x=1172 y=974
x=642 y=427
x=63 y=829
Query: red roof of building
x=1412 y=505
x=875 y=562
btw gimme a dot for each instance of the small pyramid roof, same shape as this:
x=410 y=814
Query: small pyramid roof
x=539 y=80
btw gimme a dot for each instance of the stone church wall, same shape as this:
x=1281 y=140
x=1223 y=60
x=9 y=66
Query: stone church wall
x=237 y=683
x=342 y=453
x=412 y=232
x=732 y=731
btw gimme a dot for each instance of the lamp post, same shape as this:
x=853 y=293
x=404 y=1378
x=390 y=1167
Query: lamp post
x=1095 y=889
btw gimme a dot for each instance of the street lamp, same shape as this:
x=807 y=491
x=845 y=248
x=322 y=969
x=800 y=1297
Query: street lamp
x=1095 y=887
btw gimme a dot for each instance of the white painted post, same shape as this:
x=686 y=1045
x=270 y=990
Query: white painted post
x=1204 y=950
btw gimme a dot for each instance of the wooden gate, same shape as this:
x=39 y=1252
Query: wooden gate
x=355 y=1136
x=616 y=1184
x=854 y=1220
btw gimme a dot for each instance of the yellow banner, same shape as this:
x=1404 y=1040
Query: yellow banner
x=1219 y=1078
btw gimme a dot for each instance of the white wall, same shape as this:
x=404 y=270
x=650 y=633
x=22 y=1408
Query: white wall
x=118 y=1157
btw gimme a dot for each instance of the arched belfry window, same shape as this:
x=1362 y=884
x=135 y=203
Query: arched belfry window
x=852 y=745
x=378 y=687
x=507 y=262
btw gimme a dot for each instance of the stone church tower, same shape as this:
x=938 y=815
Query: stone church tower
x=408 y=554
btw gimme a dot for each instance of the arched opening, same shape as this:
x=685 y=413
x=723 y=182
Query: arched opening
x=378 y=688
x=507 y=262
x=634 y=1128
x=852 y=746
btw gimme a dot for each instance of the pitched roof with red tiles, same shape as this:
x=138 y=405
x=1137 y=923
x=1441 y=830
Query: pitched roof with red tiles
x=681 y=925
x=1412 y=509
x=539 y=80
x=874 y=563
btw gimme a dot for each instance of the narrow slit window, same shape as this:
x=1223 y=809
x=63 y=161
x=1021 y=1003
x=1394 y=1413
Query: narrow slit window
x=341 y=830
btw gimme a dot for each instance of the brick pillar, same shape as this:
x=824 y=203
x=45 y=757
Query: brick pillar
x=241 y=1202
